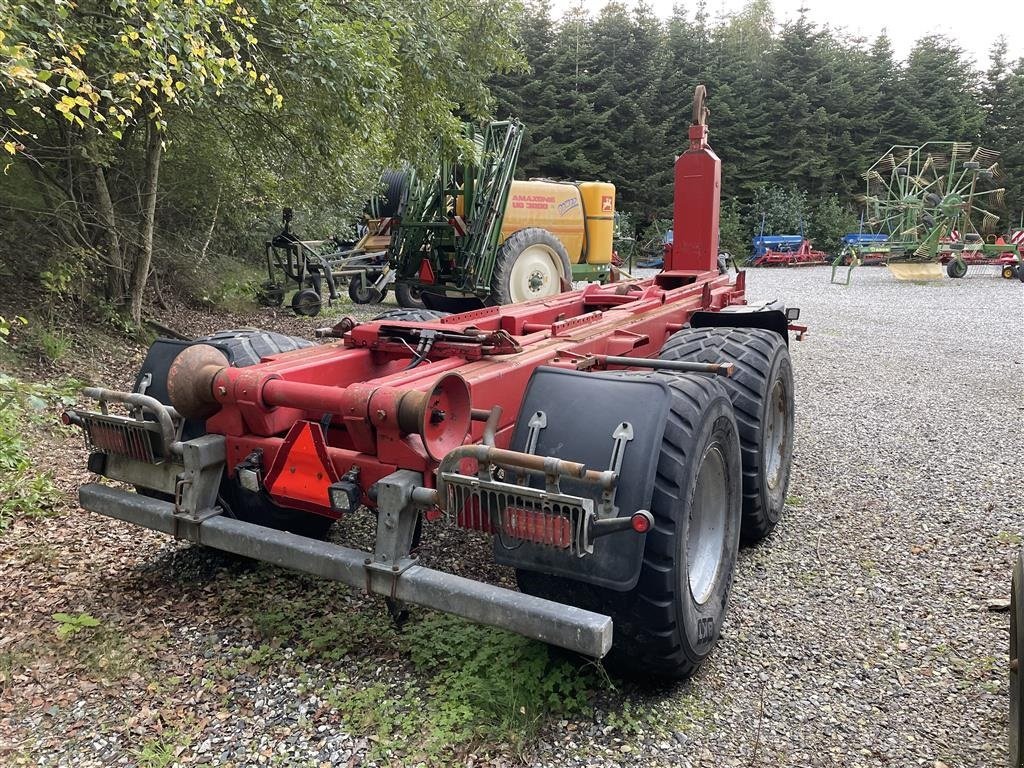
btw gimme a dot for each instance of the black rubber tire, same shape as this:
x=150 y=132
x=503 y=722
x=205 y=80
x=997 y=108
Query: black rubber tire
x=761 y=360
x=1008 y=272
x=306 y=302
x=412 y=315
x=660 y=631
x=512 y=248
x=408 y=295
x=956 y=269
x=1016 y=644
x=259 y=509
x=361 y=295
x=933 y=199
x=385 y=205
x=1020 y=272
x=247 y=346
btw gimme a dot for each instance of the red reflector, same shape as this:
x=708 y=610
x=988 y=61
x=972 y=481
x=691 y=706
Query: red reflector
x=538 y=527
x=641 y=523
x=302 y=471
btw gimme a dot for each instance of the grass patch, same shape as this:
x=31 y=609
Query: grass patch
x=1008 y=537
x=458 y=686
x=794 y=501
x=161 y=752
x=474 y=687
x=23 y=491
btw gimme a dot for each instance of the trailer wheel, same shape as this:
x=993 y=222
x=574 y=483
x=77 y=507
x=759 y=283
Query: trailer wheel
x=669 y=622
x=306 y=302
x=412 y=315
x=409 y=295
x=364 y=294
x=531 y=264
x=1016 y=644
x=1009 y=272
x=761 y=389
x=956 y=268
x=259 y=509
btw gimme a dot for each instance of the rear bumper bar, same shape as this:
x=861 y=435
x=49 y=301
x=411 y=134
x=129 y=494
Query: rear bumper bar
x=550 y=622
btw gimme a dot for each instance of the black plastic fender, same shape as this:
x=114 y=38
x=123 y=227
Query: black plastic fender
x=770 y=316
x=583 y=410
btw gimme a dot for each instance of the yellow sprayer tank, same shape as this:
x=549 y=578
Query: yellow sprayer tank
x=551 y=205
x=599 y=209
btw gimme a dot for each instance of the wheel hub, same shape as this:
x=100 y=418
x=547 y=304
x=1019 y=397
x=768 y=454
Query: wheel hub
x=776 y=427
x=705 y=540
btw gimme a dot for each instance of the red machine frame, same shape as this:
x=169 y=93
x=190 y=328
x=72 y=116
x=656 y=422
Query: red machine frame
x=804 y=256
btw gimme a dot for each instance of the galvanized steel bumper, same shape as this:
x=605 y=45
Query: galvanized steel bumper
x=550 y=622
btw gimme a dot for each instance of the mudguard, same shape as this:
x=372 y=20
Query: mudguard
x=582 y=411
x=770 y=316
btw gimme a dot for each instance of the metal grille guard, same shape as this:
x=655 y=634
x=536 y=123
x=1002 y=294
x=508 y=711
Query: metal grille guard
x=134 y=437
x=520 y=512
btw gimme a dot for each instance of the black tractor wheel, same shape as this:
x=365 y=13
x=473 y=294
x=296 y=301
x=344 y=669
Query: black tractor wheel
x=531 y=264
x=1016 y=645
x=1009 y=272
x=669 y=622
x=364 y=294
x=409 y=295
x=761 y=389
x=404 y=315
x=306 y=302
x=1020 y=272
x=245 y=347
x=956 y=268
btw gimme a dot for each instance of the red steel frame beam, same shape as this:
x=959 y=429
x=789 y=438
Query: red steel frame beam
x=359 y=381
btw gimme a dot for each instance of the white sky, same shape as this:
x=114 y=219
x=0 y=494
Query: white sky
x=973 y=25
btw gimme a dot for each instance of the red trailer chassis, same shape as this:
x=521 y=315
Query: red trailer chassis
x=411 y=419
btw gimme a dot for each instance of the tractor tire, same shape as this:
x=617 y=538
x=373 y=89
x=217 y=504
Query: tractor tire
x=247 y=346
x=956 y=269
x=1008 y=272
x=531 y=264
x=364 y=295
x=1016 y=645
x=1020 y=272
x=761 y=389
x=306 y=302
x=409 y=295
x=259 y=509
x=412 y=315
x=667 y=625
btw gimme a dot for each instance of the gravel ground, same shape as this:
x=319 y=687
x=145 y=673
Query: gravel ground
x=859 y=633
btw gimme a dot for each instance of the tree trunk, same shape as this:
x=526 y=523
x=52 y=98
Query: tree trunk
x=110 y=244
x=140 y=272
